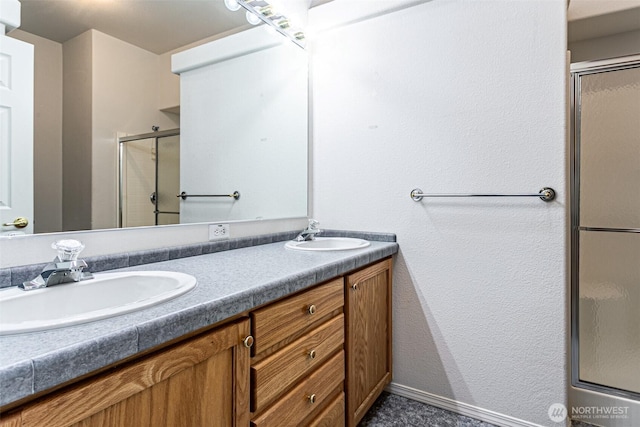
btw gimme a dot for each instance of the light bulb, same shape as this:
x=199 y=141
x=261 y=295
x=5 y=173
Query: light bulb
x=283 y=23
x=253 y=19
x=267 y=10
x=232 y=5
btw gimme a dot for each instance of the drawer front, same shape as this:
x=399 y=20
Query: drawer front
x=276 y=373
x=333 y=416
x=303 y=399
x=280 y=320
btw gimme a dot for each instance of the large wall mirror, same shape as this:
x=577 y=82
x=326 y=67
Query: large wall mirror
x=115 y=141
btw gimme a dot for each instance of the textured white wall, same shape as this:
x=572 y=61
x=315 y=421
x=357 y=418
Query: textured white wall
x=456 y=96
x=244 y=128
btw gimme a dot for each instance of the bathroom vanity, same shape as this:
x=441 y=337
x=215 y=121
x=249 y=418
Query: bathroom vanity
x=192 y=383
x=311 y=347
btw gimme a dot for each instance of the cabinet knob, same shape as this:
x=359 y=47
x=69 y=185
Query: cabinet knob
x=354 y=286
x=312 y=309
x=248 y=341
x=312 y=354
x=312 y=398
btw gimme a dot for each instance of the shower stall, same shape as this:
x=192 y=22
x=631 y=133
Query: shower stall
x=606 y=242
x=149 y=179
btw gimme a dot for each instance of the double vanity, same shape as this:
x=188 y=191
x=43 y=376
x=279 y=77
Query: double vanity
x=269 y=336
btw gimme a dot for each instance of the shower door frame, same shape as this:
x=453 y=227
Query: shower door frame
x=579 y=70
x=121 y=141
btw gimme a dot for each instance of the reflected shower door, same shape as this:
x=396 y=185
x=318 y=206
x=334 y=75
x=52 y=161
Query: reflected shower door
x=150 y=179
x=168 y=180
x=138 y=182
x=607 y=230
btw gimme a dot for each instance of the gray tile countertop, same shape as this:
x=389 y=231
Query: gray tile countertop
x=229 y=283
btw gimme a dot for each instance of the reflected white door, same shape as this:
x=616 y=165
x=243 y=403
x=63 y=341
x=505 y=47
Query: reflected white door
x=16 y=135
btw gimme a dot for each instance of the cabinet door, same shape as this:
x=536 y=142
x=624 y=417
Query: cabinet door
x=203 y=381
x=368 y=322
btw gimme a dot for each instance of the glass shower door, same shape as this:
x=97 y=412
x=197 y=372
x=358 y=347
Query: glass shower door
x=137 y=182
x=168 y=180
x=149 y=179
x=606 y=227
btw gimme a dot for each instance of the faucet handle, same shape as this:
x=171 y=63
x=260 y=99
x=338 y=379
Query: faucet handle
x=313 y=224
x=68 y=249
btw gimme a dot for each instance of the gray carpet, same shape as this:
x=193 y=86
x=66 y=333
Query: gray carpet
x=393 y=410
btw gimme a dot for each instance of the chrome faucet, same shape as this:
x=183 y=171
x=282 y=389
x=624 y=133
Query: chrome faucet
x=65 y=268
x=310 y=232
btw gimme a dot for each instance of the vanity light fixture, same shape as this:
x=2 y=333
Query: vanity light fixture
x=252 y=18
x=262 y=11
x=232 y=5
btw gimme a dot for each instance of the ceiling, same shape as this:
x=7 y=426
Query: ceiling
x=599 y=18
x=158 y=26
x=161 y=26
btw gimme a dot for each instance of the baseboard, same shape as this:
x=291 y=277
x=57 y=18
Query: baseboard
x=458 y=407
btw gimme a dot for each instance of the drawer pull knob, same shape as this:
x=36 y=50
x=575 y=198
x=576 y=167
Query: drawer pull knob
x=312 y=309
x=312 y=398
x=354 y=286
x=312 y=354
x=248 y=341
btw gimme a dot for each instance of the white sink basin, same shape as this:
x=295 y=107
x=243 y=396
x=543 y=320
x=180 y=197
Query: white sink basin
x=328 y=244
x=107 y=295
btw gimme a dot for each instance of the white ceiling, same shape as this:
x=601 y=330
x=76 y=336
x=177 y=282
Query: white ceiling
x=598 y=18
x=161 y=26
x=579 y=9
x=158 y=26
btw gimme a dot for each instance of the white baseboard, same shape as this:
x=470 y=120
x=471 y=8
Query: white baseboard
x=458 y=407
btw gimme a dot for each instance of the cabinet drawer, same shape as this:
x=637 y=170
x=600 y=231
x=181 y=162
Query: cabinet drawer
x=280 y=320
x=333 y=416
x=296 y=405
x=276 y=373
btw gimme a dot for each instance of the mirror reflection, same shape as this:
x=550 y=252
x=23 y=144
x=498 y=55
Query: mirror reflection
x=103 y=75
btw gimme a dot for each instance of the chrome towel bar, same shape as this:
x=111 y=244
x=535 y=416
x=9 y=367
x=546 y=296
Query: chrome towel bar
x=547 y=194
x=184 y=195
x=610 y=230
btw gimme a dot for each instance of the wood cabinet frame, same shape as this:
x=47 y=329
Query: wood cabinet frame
x=201 y=381
x=368 y=308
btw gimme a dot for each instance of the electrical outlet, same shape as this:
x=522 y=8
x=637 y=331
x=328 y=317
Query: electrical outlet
x=218 y=231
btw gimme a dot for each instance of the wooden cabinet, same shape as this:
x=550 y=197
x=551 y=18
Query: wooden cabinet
x=332 y=416
x=284 y=320
x=276 y=373
x=320 y=358
x=368 y=337
x=203 y=381
x=298 y=369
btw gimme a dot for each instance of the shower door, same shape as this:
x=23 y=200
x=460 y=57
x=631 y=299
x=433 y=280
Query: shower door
x=606 y=229
x=149 y=179
x=167 y=209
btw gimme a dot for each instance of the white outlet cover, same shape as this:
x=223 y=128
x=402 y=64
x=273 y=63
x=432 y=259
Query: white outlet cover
x=219 y=231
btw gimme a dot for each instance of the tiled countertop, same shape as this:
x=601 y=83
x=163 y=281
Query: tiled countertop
x=229 y=283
